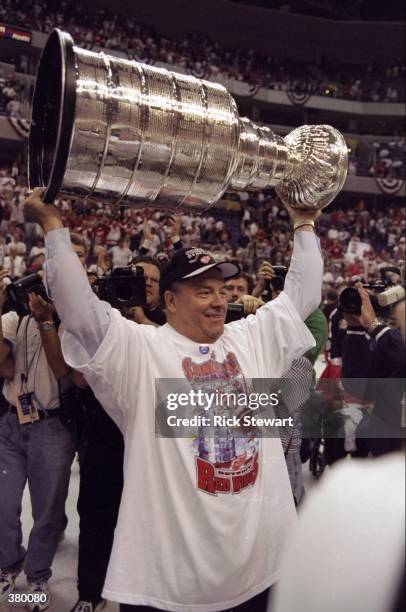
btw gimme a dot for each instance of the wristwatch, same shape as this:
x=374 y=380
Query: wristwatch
x=46 y=325
x=375 y=323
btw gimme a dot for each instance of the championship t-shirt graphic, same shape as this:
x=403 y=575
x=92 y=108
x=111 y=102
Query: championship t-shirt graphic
x=227 y=458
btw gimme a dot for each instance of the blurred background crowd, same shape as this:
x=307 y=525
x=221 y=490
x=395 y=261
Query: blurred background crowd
x=376 y=83
x=195 y=53
x=356 y=241
x=359 y=233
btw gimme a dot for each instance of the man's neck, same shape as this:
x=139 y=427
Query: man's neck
x=199 y=339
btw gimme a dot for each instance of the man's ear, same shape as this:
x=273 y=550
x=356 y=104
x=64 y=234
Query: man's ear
x=170 y=301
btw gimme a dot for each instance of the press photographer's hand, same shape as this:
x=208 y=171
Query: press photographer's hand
x=251 y=303
x=138 y=314
x=175 y=222
x=368 y=315
x=46 y=215
x=40 y=309
x=265 y=273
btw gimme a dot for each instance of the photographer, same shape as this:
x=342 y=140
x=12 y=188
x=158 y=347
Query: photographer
x=373 y=369
x=35 y=446
x=151 y=313
x=237 y=287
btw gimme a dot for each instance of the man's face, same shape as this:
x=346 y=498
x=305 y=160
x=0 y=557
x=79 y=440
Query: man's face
x=197 y=308
x=80 y=252
x=236 y=287
x=151 y=275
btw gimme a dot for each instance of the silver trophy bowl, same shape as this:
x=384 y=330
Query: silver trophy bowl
x=126 y=133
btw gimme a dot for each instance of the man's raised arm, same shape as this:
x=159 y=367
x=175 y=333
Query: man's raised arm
x=304 y=278
x=81 y=312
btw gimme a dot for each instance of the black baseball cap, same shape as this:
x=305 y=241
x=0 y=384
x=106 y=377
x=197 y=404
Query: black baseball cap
x=191 y=262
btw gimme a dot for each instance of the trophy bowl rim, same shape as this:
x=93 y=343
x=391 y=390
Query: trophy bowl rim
x=57 y=61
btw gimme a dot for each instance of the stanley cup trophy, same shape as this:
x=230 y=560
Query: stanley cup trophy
x=127 y=133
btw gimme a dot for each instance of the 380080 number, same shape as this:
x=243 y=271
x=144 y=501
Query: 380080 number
x=23 y=598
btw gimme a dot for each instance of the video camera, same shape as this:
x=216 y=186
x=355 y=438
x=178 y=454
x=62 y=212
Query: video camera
x=18 y=291
x=123 y=287
x=384 y=294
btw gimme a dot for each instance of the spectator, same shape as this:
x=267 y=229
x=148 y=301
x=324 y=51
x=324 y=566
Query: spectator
x=14 y=263
x=120 y=254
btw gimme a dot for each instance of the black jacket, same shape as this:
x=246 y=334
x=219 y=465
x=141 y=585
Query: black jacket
x=373 y=369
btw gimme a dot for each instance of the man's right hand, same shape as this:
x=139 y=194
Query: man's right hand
x=46 y=215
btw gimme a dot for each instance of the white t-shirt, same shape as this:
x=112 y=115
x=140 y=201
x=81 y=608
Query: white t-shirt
x=192 y=535
x=29 y=357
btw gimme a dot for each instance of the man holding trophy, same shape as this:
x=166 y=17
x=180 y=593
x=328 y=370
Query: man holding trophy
x=197 y=531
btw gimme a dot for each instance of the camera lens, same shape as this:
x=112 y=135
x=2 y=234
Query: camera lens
x=124 y=291
x=350 y=301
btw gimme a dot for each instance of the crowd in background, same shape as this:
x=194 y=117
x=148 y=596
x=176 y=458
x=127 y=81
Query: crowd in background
x=389 y=159
x=10 y=96
x=248 y=229
x=206 y=58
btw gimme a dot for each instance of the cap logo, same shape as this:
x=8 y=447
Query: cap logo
x=205 y=259
x=193 y=254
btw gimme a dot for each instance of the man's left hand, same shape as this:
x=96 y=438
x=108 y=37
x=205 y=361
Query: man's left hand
x=298 y=216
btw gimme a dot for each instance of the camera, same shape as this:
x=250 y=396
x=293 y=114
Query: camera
x=384 y=294
x=276 y=284
x=278 y=281
x=123 y=288
x=18 y=291
x=235 y=312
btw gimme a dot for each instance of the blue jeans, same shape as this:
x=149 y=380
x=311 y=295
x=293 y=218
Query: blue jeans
x=40 y=453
